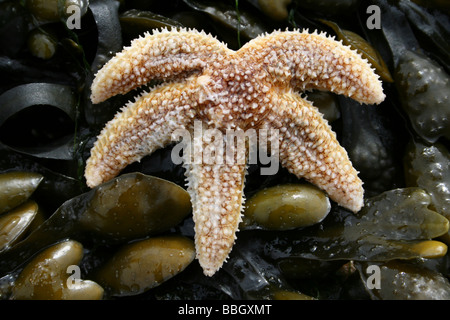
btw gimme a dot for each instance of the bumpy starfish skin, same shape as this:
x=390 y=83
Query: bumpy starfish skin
x=323 y=162
x=217 y=196
x=252 y=88
x=141 y=128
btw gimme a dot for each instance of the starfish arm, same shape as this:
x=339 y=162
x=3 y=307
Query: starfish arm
x=315 y=61
x=139 y=129
x=308 y=148
x=216 y=192
x=159 y=56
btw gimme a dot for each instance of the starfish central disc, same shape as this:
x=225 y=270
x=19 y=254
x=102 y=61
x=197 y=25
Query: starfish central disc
x=252 y=88
x=231 y=94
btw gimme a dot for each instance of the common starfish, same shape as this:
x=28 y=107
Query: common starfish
x=254 y=87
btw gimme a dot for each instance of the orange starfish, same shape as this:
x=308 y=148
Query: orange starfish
x=254 y=87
